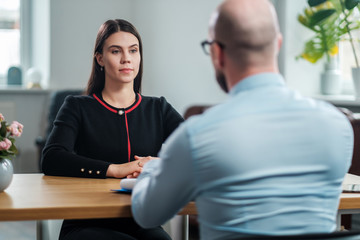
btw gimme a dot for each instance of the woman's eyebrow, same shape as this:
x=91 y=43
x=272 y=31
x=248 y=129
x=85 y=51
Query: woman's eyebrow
x=118 y=46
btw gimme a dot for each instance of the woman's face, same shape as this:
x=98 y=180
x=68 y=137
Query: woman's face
x=120 y=57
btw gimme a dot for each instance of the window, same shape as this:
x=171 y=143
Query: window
x=9 y=36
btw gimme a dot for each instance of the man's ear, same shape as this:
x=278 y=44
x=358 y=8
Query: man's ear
x=99 y=59
x=279 y=42
x=218 y=57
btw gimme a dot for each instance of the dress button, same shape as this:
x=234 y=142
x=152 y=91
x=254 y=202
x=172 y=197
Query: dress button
x=90 y=171
x=97 y=172
x=121 y=112
x=82 y=170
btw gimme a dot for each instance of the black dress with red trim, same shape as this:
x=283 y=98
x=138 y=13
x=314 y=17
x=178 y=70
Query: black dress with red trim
x=89 y=134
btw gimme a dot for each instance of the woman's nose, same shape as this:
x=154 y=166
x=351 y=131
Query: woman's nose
x=125 y=58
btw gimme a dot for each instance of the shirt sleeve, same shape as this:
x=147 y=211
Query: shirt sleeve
x=58 y=156
x=167 y=184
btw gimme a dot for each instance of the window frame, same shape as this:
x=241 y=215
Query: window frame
x=25 y=40
x=25 y=35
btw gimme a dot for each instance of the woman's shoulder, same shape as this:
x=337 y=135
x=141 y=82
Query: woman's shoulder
x=77 y=102
x=79 y=98
x=153 y=99
x=159 y=102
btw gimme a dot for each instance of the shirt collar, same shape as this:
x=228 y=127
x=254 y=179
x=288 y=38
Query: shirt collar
x=257 y=81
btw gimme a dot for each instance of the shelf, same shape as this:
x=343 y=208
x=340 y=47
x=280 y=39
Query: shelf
x=21 y=90
x=346 y=100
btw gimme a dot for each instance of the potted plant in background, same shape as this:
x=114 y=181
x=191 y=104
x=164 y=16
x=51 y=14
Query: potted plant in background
x=330 y=20
x=322 y=18
x=8 y=150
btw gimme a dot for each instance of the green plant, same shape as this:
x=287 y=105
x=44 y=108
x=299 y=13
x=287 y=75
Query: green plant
x=351 y=23
x=329 y=20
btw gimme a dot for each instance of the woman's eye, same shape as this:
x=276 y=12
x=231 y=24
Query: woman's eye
x=133 y=50
x=115 y=51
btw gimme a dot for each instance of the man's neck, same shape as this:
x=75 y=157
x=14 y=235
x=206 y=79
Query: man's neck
x=237 y=75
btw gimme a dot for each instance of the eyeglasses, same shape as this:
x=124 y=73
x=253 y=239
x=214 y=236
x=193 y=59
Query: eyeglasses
x=206 y=45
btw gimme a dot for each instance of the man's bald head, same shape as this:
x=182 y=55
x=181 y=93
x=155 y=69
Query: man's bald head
x=248 y=28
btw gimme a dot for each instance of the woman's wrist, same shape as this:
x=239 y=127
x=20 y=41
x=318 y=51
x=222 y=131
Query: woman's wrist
x=110 y=171
x=123 y=170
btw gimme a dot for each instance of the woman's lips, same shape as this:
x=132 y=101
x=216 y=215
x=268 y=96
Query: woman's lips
x=126 y=70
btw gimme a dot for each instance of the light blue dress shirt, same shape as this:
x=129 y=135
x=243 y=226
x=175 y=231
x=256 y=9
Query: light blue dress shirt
x=266 y=161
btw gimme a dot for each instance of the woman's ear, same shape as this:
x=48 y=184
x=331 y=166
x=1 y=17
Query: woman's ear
x=99 y=59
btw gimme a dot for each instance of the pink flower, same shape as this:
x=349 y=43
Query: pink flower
x=16 y=128
x=5 y=144
x=1 y=117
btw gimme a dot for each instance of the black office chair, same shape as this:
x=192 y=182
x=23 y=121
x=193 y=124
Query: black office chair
x=195 y=110
x=343 y=235
x=56 y=100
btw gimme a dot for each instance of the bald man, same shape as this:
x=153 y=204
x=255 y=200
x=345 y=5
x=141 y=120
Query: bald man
x=267 y=161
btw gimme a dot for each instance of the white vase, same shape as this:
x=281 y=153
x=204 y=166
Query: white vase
x=331 y=79
x=6 y=173
x=356 y=81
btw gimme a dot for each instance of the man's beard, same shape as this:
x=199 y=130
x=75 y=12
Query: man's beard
x=220 y=77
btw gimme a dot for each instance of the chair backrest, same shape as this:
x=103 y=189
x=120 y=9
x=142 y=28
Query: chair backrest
x=195 y=110
x=355 y=122
x=56 y=100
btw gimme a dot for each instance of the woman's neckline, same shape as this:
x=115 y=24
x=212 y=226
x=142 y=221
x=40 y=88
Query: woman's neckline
x=135 y=103
x=125 y=106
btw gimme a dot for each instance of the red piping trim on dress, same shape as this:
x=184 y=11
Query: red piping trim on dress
x=136 y=105
x=102 y=103
x=128 y=138
x=126 y=121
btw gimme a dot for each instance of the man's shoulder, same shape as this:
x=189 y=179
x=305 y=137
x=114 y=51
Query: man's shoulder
x=323 y=107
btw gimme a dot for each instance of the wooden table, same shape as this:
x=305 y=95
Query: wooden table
x=39 y=197
x=349 y=204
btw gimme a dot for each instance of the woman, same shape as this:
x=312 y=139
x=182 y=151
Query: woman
x=107 y=132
